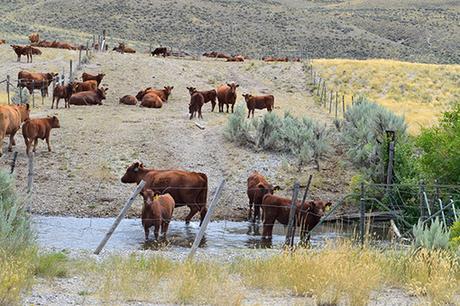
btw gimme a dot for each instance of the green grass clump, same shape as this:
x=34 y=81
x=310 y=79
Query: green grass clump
x=51 y=265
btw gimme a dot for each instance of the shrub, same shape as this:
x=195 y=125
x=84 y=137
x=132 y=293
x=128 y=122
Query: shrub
x=364 y=134
x=303 y=138
x=51 y=265
x=431 y=237
x=17 y=98
x=440 y=146
x=17 y=251
x=455 y=235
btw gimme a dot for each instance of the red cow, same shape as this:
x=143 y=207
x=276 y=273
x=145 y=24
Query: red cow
x=237 y=58
x=157 y=212
x=34 y=129
x=98 y=78
x=259 y=102
x=277 y=209
x=186 y=188
x=11 y=117
x=27 y=51
x=88 y=97
x=257 y=188
x=226 y=94
x=34 y=38
x=90 y=85
x=35 y=80
x=208 y=95
x=196 y=103
x=128 y=100
x=62 y=92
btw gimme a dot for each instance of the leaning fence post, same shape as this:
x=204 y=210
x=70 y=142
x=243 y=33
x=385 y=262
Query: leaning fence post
x=13 y=162
x=120 y=216
x=206 y=220
x=30 y=180
x=361 y=215
x=422 y=204
x=292 y=212
x=8 y=87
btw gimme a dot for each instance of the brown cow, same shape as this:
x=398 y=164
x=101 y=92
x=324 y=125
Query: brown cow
x=277 y=209
x=2 y=41
x=87 y=77
x=90 y=85
x=237 y=58
x=11 y=117
x=226 y=94
x=196 y=102
x=34 y=129
x=208 y=95
x=28 y=51
x=35 y=80
x=34 y=38
x=257 y=188
x=123 y=49
x=160 y=51
x=88 y=97
x=44 y=44
x=259 y=102
x=157 y=211
x=274 y=59
x=62 y=92
x=162 y=93
x=128 y=100
x=187 y=188
x=151 y=100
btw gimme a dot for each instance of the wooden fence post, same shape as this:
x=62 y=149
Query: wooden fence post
x=361 y=215
x=79 y=57
x=33 y=93
x=8 y=87
x=319 y=87
x=330 y=103
x=120 y=217
x=292 y=213
x=343 y=104
x=302 y=223
x=336 y=104
x=13 y=162
x=42 y=92
x=30 y=180
x=206 y=220
x=87 y=48
x=71 y=72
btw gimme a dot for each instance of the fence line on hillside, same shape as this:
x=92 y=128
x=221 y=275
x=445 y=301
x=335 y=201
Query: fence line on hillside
x=74 y=66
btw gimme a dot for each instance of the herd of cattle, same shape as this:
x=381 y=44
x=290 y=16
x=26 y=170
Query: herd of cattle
x=165 y=189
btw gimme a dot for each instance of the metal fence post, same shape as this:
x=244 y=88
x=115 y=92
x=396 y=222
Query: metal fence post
x=71 y=72
x=292 y=212
x=361 y=215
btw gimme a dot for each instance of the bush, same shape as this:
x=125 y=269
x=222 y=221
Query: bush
x=455 y=235
x=440 y=146
x=431 y=237
x=17 y=252
x=51 y=265
x=364 y=134
x=303 y=138
x=16 y=98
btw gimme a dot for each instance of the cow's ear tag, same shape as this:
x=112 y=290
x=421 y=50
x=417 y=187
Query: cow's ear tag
x=156 y=197
x=328 y=208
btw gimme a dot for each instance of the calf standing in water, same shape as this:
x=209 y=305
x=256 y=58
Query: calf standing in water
x=157 y=212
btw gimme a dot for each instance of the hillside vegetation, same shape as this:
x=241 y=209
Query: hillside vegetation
x=420 y=92
x=423 y=31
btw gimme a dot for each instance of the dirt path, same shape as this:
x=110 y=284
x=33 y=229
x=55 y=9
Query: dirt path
x=94 y=145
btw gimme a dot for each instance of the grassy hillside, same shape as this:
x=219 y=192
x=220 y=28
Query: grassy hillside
x=420 y=92
x=423 y=31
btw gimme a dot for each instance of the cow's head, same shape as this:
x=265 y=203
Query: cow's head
x=132 y=173
x=50 y=76
x=54 y=122
x=247 y=97
x=233 y=87
x=24 y=110
x=101 y=92
x=318 y=207
x=148 y=196
x=191 y=90
x=101 y=75
x=167 y=90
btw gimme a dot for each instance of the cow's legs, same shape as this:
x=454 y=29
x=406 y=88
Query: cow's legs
x=193 y=210
x=203 y=213
x=213 y=104
x=253 y=113
x=199 y=113
x=250 y=211
x=10 y=146
x=164 y=229
x=268 y=227
x=256 y=212
x=249 y=113
x=146 y=232
x=228 y=106
x=35 y=144
x=156 y=230
x=232 y=107
x=48 y=141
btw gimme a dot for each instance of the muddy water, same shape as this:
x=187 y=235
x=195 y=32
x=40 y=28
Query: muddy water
x=71 y=233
